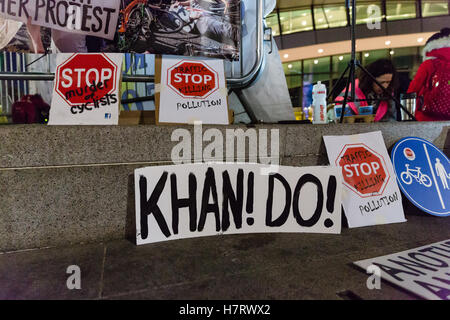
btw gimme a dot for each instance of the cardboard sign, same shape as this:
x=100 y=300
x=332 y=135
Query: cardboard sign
x=370 y=194
x=191 y=90
x=423 y=173
x=424 y=271
x=86 y=90
x=90 y=17
x=195 y=200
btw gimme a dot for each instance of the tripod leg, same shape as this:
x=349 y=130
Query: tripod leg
x=347 y=89
x=386 y=92
x=337 y=83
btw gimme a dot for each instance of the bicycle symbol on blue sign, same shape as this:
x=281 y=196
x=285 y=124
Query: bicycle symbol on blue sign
x=408 y=175
x=423 y=174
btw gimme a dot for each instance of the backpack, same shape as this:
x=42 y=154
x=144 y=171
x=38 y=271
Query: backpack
x=30 y=109
x=42 y=108
x=437 y=93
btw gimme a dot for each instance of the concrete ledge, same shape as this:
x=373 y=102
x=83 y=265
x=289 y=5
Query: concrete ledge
x=55 y=207
x=65 y=185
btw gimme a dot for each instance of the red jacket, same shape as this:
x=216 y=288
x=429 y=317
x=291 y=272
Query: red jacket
x=423 y=77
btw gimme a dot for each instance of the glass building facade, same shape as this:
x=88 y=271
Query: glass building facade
x=317 y=17
x=302 y=75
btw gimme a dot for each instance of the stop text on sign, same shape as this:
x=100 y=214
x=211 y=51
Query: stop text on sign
x=85 y=78
x=192 y=79
x=363 y=170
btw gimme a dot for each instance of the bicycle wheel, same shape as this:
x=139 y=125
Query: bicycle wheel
x=406 y=177
x=426 y=181
x=138 y=31
x=167 y=22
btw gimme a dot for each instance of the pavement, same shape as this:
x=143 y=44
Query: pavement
x=227 y=267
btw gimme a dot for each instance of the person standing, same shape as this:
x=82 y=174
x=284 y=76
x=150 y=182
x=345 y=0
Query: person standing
x=432 y=81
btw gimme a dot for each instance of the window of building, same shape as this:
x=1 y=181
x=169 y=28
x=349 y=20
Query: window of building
x=367 y=12
x=432 y=8
x=319 y=18
x=399 y=10
x=330 y=17
x=296 y=21
x=293 y=72
x=339 y=63
x=370 y=56
x=272 y=22
x=404 y=58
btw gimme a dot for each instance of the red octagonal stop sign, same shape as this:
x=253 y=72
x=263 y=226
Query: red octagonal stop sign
x=193 y=79
x=364 y=171
x=85 y=77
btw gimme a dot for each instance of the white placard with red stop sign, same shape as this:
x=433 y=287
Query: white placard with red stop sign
x=86 y=89
x=370 y=195
x=191 y=90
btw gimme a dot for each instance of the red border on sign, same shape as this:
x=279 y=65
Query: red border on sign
x=72 y=57
x=192 y=61
x=381 y=158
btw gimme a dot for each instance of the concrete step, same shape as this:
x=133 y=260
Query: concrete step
x=66 y=185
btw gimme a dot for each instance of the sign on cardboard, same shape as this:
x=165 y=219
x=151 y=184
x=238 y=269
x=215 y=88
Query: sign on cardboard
x=370 y=194
x=87 y=89
x=195 y=200
x=191 y=90
x=424 y=271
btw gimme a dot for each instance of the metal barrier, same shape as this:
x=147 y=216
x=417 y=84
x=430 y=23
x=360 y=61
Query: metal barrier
x=14 y=89
x=14 y=81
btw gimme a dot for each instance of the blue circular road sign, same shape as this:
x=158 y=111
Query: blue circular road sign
x=423 y=173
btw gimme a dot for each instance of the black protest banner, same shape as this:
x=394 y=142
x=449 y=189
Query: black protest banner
x=97 y=18
x=185 y=201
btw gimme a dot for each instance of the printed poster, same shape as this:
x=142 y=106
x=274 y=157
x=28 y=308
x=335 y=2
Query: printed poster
x=370 y=193
x=208 y=28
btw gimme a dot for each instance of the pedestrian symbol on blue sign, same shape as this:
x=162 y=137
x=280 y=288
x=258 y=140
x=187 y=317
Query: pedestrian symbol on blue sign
x=423 y=173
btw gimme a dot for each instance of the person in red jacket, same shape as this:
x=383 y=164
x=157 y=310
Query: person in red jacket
x=432 y=81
